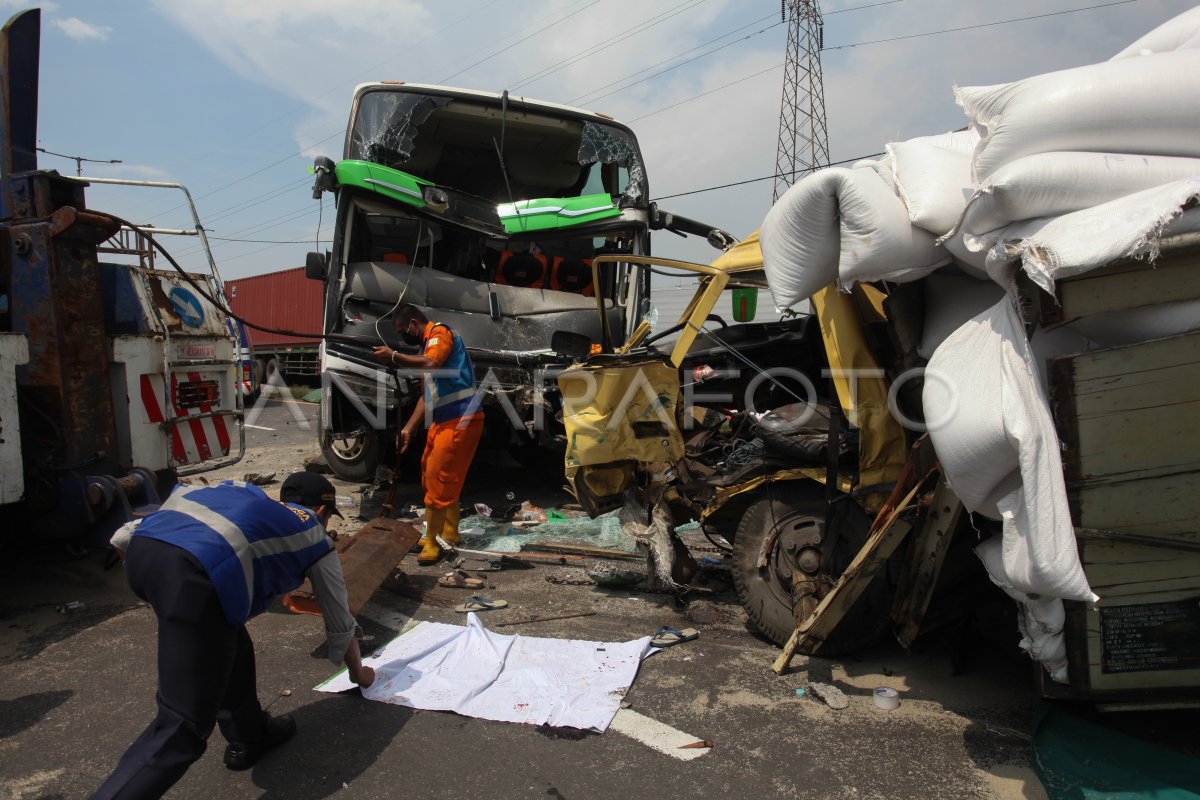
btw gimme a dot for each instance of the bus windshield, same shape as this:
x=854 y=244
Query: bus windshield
x=455 y=141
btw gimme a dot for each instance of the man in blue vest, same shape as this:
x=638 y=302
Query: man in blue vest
x=451 y=403
x=207 y=561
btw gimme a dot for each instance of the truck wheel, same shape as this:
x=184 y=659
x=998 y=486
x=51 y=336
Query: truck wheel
x=271 y=370
x=259 y=370
x=351 y=456
x=789 y=520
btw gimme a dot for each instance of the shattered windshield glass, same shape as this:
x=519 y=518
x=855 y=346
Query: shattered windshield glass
x=476 y=146
x=385 y=127
x=605 y=145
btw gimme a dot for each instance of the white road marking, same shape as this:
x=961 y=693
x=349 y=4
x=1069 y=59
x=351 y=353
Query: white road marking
x=384 y=616
x=257 y=427
x=656 y=735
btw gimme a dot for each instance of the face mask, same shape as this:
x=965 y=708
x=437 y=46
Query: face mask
x=410 y=338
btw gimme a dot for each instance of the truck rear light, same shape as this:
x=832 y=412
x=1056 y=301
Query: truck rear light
x=246 y=371
x=192 y=394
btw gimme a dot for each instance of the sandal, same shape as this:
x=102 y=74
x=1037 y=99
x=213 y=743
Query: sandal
x=665 y=637
x=459 y=579
x=480 y=604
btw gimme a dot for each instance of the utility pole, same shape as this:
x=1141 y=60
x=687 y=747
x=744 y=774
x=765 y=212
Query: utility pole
x=803 y=136
x=80 y=159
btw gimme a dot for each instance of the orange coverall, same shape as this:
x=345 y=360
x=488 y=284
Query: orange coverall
x=449 y=449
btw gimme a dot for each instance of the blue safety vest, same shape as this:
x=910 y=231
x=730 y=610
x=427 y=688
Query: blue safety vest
x=253 y=548
x=450 y=390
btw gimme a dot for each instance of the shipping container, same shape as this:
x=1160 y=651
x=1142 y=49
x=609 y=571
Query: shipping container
x=283 y=300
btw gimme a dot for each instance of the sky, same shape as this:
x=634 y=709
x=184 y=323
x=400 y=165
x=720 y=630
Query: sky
x=233 y=98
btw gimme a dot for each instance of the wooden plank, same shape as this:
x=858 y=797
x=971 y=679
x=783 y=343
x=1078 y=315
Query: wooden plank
x=1128 y=285
x=1159 y=506
x=368 y=558
x=1129 y=410
x=1126 y=416
x=925 y=558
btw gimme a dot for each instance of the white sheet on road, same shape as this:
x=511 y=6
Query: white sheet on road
x=479 y=673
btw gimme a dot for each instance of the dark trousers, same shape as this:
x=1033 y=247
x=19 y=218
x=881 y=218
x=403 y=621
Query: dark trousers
x=205 y=673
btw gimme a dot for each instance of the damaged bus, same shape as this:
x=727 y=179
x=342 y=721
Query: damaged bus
x=486 y=211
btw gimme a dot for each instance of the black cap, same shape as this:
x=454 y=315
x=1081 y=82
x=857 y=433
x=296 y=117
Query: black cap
x=309 y=489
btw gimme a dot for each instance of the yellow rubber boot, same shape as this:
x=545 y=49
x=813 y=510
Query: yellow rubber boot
x=435 y=522
x=450 y=526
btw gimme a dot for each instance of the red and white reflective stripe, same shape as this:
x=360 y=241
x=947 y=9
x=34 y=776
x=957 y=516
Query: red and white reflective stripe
x=190 y=438
x=246 y=390
x=155 y=415
x=217 y=424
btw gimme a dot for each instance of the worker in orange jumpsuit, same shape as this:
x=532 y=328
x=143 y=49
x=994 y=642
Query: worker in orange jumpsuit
x=449 y=405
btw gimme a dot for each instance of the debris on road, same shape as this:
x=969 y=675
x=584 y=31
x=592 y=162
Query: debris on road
x=829 y=694
x=697 y=745
x=68 y=608
x=614 y=576
x=256 y=479
x=317 y=463
x=537 y=618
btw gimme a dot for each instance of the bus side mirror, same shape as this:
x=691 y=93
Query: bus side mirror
x=314 y=266
x=745 y=303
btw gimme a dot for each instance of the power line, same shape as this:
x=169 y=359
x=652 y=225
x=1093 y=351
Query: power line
x=704 y=94
x=981 y=25
x=641 y=27
x=519 y=41
x=859 y=8
x=592 y=99
x=756 y=180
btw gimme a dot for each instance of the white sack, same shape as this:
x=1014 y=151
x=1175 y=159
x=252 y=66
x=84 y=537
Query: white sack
x=1128 y=227
x=885 y=168
x=845 y=217
x=1041 y=621
x=933 y=182
x=1052 y=184
x=799 y=237
x=951 y=300
x=877 y=240
x=1137 y=105
x=972 y=262
x=991 y=427
x=1178 y=33
x=961 y=142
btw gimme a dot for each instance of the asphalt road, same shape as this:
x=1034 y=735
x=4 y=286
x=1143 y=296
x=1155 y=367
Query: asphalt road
x=75 y=689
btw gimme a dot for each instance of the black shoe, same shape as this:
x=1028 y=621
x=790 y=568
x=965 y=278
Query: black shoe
x=244 y=755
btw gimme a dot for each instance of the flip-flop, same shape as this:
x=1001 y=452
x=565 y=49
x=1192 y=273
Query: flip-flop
x=459 y=579
x=665 y=637
x=480 y=604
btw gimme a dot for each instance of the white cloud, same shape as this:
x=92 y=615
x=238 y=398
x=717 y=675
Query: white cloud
x=81 y=31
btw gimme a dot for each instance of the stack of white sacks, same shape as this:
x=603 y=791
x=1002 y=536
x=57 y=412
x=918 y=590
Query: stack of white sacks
x=1057 y=174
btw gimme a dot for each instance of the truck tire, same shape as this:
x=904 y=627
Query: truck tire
x=259 y=368
x=797 y=512
x=351 y=456
x=271 y=370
